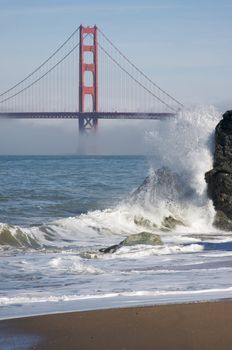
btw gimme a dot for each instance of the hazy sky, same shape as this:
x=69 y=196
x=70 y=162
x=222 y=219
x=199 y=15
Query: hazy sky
x=183 y=45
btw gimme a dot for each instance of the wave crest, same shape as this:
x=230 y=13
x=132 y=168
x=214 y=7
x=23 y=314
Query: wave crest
x=14 y=236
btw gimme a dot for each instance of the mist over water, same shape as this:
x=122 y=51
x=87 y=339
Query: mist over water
x=57 y=212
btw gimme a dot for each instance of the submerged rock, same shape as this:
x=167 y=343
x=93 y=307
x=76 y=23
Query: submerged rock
x=162 y=185
x=219 y=179
x=169 y=223
x=138 y=238
x=163 y=188
x=141 y=221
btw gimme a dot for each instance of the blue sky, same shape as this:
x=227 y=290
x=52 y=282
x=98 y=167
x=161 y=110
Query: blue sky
x=184 y=46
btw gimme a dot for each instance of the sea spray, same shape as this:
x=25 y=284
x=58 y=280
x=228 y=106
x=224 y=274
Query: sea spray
x=183 y=146
x=185 y=143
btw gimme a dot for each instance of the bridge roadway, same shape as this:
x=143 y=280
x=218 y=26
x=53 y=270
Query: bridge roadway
x=77 y=115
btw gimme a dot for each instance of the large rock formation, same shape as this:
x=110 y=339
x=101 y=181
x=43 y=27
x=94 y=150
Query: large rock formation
x=219 y=179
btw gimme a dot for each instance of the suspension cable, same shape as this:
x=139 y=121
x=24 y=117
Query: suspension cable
x=42 y=64
x=42 y=76
x=136 y=80
x=135 y=67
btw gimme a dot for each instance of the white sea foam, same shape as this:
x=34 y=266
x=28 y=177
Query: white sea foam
x=141 y=293
x=74 y=265
x=142 y=251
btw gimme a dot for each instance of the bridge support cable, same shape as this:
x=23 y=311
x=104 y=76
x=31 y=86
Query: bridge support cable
x=177 y=104
x=48 y=85
x=136 y=80
x=125 y=88
x=42 y=64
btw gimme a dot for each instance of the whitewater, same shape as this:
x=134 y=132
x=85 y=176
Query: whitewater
x=58 y=213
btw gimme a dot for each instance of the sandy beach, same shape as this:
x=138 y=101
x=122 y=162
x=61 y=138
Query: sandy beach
x=180 y=326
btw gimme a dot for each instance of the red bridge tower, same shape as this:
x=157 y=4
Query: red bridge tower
x=88 y=123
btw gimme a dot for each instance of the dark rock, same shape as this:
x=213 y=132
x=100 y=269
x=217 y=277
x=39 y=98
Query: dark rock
x=222 y=221
x=111 y=249
x=219 y=179
x=138 y=238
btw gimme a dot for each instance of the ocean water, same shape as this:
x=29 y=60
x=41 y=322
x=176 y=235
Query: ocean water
x=57 y=212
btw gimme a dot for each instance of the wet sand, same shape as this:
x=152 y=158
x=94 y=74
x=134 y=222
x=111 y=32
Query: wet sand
x=201 y=326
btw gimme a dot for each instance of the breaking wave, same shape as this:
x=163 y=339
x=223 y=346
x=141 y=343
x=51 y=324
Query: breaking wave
x=172 y=198
x=16 y=237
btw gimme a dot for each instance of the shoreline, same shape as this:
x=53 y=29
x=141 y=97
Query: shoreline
x=195 y=325
x=112 y=304
x=115 y=307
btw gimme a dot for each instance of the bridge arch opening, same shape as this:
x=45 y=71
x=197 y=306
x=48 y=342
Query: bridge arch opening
x=88 y=103
x=88 y=39
x=88 y=78
x=88 y=57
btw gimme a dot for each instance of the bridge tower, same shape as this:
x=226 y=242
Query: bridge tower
x=88 y=123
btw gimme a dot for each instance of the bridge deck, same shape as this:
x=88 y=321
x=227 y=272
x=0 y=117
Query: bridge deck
x=77 y=115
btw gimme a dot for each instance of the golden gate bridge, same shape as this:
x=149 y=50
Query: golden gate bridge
x=87 y=78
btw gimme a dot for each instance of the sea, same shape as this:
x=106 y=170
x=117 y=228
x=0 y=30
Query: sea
x=58 y=213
